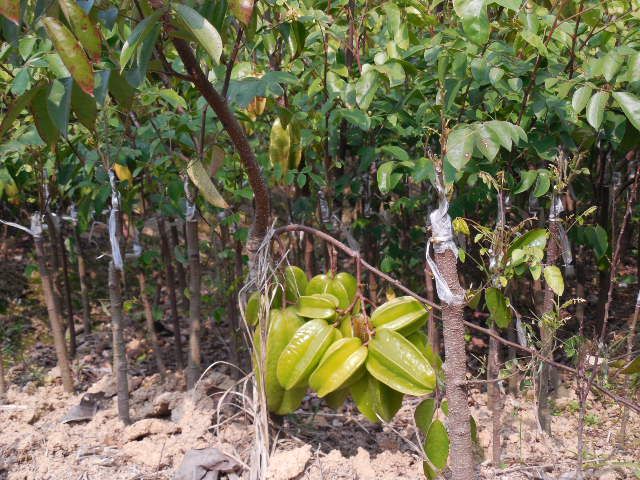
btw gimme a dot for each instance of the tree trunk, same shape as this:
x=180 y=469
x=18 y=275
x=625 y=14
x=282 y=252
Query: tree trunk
x=171 y=287
x=494 y=399
x=195 y=361
x=547 y=335
x=309 y=266
x=84 y=289
x=57 y=328
x=3 y=386
x=181 y=276
x=455 y=371
x=622 y=433
x=67 y=294
x=432 y=325
x=151 y=330
x=119 y=350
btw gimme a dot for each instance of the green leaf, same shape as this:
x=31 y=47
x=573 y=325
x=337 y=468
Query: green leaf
x=543 y=183
x=45 y=126
x=71 y=53
x=84 y=108
x=553 y=277
x=611 y=63
x=630 y=105
x=487 y=142
x=142 y=30
x=59 y=103
x=84 y=29
x=510 y=4
x=11 y=10
x=595 y=109
x=498 y=308
x=633 y=367
x=436 y=446
x=201 y=29
x=386 y=179
x=173 y=98
x=14 y=110
x=424 y=414
x=535 y=41
x=527 y=177
x=460 y=146
x=366 y=88
x=395 y=151
x=502 y=132
x=120 y=89
x=580 y=98
x=533 y=238
x=355 y=117
x=475 y=21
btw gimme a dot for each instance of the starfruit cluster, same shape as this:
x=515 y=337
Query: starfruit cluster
x=320 y=336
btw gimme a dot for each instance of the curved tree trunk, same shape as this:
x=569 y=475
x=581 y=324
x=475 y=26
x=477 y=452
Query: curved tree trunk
x=67 y=294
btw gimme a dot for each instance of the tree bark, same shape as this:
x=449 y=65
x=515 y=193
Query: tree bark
x=3 y=386
x=195 y=358
x=547 y=335
x=67 y=294
x=171 y=287
x=432 y=325
x=494 y=399
x=84 y=289
x=181 y=275
x=149 y=322
x=455 y=371
x=55 y=320
x=119 y=350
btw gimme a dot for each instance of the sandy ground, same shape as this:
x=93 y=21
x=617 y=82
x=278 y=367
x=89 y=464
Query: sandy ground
x=315 y=443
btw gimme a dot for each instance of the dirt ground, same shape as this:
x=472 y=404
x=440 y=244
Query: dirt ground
x=315 y=443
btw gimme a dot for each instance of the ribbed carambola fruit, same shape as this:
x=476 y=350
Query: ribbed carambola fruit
x=303 y=353
x=283 y=325
x=342 y=363
x=295 y=283
x=396 y=362
x=295 y=150
x=402 y=314
x=375 y=399
x=343 y=286
x=319 y=305
x=279 y=145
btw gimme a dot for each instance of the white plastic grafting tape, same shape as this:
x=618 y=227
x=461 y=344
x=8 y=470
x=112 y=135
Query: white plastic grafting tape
x=113 y=224
x=36 y=225
x=190 y=209
x=442 y=239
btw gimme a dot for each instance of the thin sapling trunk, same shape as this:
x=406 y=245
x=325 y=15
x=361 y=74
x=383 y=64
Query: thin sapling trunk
x=150 y=325
x=171 y=287
x=55 y=319
x=193 y=250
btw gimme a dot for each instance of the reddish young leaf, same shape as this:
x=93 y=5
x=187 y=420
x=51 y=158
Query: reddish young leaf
x=11 y=10
x=71 y=53
x=242 y=10
x=84 y=29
